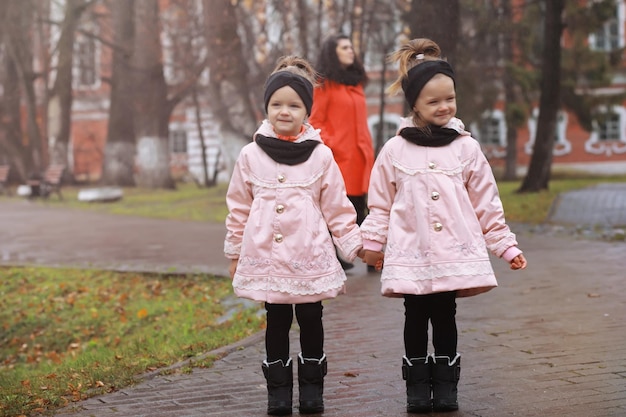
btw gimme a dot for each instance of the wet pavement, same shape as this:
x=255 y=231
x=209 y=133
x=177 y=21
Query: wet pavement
x=549 y=341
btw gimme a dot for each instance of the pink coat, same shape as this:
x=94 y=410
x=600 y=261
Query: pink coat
x=279 y=222
x=438 y=211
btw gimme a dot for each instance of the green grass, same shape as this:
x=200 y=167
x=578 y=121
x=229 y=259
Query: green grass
x=187 y=202
x=69 y=334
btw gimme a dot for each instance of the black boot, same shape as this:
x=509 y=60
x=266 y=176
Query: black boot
x=416 y=373
x=445 y=374
x=279 y=379
x=311 y=374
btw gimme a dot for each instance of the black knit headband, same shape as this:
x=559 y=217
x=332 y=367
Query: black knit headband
x=301 y=85
x=420 y=74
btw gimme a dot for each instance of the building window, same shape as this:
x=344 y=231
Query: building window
x=178 y=141
x=608 y=127
x=85 y=62
x=611 y=36
x=390 y=124
x=489 y=131
x=608 y=136
x=562 y=146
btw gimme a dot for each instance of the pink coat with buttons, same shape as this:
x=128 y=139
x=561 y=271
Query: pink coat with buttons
x=284 y=223
x=437 y=212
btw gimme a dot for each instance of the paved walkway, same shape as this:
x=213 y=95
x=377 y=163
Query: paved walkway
x=550 y=341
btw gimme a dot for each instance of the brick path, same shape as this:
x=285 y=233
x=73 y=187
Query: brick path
x=550 y=341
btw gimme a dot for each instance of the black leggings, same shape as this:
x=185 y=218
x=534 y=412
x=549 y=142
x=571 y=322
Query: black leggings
x=440 y=309
x=279 y=319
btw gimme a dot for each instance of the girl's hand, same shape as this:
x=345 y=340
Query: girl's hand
x=361 y=253
x=519 y=262
x=232 y=268
x=374 y=259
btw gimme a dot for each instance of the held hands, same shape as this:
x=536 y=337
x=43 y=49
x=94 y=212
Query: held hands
x=372 y=258
x=519 y=262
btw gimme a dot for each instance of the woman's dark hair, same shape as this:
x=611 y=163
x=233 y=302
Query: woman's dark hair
x=329 y=68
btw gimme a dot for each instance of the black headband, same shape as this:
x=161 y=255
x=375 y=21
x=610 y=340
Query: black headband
x=420 y=74
x=301 y=85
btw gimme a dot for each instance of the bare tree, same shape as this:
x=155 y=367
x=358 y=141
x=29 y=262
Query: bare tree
x=151 y=108
x=18 y=49
x=60 y=96
x=437 y=20
x=538 y=175
x=119 y=153
x=229 y=89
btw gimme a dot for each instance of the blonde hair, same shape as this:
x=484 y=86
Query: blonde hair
x=411 y=54
x=298 y=66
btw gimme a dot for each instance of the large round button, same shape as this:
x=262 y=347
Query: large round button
x=438 y=226
x=278 y=238
x=434 y=195
x=280 y=208
x=281 y=178
x=432 y=165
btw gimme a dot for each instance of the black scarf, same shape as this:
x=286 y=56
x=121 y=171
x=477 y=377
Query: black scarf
x=288 y=153
x=439 y=136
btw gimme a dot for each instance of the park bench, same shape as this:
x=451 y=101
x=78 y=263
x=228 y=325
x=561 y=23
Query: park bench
x=4 y=179
x=49 y=183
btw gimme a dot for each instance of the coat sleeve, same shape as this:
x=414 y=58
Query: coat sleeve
x=381 y=195
x=484 y=196
x=239 y=201
x=338 y=212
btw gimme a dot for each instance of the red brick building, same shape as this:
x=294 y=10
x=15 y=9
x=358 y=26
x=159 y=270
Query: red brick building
x=602 y=150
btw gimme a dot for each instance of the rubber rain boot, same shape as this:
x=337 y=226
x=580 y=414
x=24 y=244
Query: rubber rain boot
x=416 y=373
x=445 y=375
x=311 y=373
x=279 y=377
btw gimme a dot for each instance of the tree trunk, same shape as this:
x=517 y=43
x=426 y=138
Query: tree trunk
x=151 y=108
x=15 y=151
x=60 y=100
x=436 y=20
x=510 y=167
x=19 y=15
x=229 y=90
x=538 y=175
x=119 y=152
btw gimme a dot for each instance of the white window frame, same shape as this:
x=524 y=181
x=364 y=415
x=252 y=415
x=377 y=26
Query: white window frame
x=562 y=145
x=492 y=150
x=373 y=120
x=612 y=24
x=77 y=68
x=596 y=146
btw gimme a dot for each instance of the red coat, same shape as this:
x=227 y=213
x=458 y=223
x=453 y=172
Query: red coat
x=340 y=112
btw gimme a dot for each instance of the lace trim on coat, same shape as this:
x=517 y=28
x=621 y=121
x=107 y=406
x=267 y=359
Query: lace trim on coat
x=449 y=172
x=231 y=249
x=350 y=245
x=431 y=272
x=274 y=184
x=294 y=286
x=321 y=265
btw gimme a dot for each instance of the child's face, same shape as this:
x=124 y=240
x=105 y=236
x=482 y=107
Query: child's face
x=436 y=103
x=286 y=111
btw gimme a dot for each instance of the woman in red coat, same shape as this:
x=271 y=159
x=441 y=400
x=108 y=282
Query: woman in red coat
x=340 y=111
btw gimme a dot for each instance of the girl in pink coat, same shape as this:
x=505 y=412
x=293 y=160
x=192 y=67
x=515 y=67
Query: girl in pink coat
x=434 y=205
x=285 y=195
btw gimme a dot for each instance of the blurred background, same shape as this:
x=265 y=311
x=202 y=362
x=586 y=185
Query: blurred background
x=151 y=92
